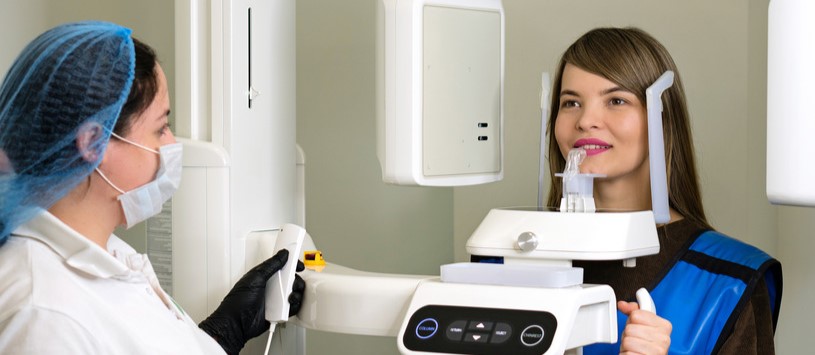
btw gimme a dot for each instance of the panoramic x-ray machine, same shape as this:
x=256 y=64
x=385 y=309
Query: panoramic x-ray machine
x=440 y=67
x=440 y=70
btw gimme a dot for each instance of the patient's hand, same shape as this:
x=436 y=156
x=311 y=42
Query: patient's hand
x=645 y=332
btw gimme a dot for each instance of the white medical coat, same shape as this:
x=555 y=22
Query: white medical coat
x=62 y=294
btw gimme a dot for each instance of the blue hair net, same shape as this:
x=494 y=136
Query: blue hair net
x=73 y=78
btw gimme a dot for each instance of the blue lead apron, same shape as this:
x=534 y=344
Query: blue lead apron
x=705 y=292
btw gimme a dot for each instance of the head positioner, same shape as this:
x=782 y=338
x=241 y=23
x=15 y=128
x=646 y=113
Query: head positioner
x=73 y=78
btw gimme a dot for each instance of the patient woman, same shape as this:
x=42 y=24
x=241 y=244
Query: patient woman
x=713 y=294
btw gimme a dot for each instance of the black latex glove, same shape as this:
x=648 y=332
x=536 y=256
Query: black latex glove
x=297 y=291
x=241 y=315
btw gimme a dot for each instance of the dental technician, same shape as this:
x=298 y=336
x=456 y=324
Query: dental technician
x=85 y=146
x=713 y=294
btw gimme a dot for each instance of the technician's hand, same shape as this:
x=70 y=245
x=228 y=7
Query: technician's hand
x=645 y=332
x=241 y=315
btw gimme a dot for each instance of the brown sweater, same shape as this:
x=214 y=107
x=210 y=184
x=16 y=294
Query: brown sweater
x=753 y=331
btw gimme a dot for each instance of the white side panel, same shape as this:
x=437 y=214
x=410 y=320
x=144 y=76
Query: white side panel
x=246 y=182
x=217 y=236
x=258 y=129
x=190 y=243
x=461 y=92
x=790 y=120
x=191 y=63
x=200 y=229
x=401 y=75
x=261 y=47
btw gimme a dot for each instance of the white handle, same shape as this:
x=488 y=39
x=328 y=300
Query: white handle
x=656 y=147
x=645 y=301
x=280 y=284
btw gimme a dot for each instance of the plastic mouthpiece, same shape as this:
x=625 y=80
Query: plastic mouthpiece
x=578 y=189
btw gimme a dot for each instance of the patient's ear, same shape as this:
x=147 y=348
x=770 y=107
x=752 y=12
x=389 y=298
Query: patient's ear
x=89 y=141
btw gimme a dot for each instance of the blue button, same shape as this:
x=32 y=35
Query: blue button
x=427 y=328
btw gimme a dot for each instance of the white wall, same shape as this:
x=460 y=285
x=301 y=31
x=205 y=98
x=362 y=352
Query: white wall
x=25 y=20
x=795 y=247
x=151 y=21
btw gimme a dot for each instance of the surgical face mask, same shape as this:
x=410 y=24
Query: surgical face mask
x=146 y=201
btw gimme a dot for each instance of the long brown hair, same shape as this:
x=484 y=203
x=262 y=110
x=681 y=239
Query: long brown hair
x=633 y=59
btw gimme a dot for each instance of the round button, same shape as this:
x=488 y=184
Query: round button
x=501 y=333
x=456 y=330
x=427 y=328
x=527 y=242
x=532 y=335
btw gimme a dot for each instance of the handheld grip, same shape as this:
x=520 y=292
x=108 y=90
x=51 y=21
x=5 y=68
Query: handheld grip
x=280 y=284
x=645 y=301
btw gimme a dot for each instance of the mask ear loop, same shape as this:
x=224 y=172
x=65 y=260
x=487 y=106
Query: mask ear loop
x=89 y=134
x=127 y=141
x=108 y=181
x=134 y=143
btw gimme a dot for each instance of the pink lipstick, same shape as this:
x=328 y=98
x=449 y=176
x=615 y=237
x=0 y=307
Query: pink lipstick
x=592 y=146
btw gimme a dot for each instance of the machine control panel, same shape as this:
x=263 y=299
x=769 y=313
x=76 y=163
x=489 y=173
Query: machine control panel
x=473 y=330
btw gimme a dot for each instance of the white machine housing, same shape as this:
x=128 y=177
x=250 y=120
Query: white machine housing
x=529 y=236
x=439 y=107
x=235 y=103
x=344 y=300
x=790 y=121
x=560 y=319
x=237 y=108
